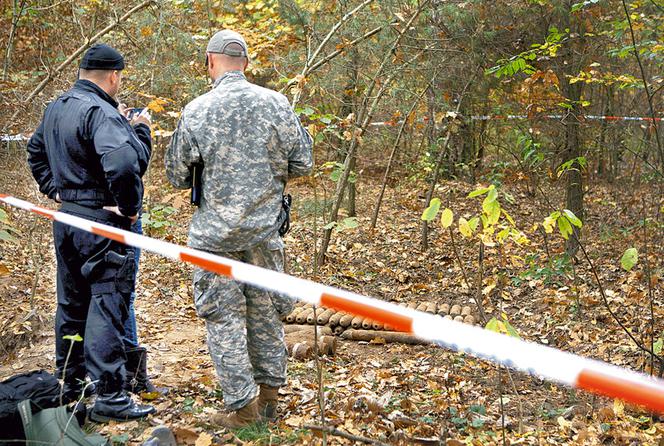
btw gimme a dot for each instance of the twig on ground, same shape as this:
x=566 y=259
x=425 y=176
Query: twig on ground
x=342 y=434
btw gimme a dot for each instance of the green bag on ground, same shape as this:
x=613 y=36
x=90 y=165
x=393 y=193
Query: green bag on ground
x=56 y=427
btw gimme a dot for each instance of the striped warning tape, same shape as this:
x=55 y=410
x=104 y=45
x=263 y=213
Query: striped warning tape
x=536 y=117
x=581 y=117
x=21 y=137
x=545 y=362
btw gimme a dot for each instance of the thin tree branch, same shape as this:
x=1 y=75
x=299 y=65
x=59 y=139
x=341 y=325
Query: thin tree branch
x=342 y=434
x=645 y=85
x=80 y=50
x=379 y=200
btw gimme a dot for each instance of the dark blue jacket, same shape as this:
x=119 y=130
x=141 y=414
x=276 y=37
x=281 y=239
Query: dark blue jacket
x=88 y=153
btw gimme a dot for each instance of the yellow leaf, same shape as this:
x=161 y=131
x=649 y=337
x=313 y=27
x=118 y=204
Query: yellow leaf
x=3 y=270
x=446 y=218
x=149 y=396
x=487 y=289
x=549 y=224
x=487 y=240
x=156 y=105
x=464 y=228
x=204 y=439
x=618 y=408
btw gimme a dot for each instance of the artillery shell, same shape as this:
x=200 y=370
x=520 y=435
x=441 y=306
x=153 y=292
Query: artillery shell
x=458 y=318
x=431 y=308
x=465 y=311
x=456 y=310
x=311 y=317
x=335 y=318
x=412 y=305
x=367 y=323
x=301 y=317
x=346 y=320
x=325 y=317
x=338 y=330
x=357 y=322
x=469 y=320
x=444 y=309
x=422 y=306
x=377 y=325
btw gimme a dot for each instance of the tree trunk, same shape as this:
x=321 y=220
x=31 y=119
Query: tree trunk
x=572 y=62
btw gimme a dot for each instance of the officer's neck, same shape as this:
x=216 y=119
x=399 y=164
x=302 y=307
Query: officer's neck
x=222 y=74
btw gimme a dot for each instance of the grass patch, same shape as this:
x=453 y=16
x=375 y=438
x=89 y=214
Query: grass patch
x=262 y=434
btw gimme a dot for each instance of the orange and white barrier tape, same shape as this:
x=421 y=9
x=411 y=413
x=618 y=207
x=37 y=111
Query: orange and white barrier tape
x=545 y=362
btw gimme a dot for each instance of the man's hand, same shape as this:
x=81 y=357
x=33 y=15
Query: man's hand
x=122 y=108
x=116 y=210
x=143 y=118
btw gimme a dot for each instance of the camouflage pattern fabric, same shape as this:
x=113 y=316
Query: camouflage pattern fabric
x=251 y=143
x=245 y=334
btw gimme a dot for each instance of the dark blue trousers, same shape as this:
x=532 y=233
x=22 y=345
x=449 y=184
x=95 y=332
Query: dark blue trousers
x=94 y=282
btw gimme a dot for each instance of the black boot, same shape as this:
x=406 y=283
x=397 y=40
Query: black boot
x=136 y=379
x=118 y=406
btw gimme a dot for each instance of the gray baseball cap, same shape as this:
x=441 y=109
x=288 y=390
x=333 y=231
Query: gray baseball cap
x=220 y=41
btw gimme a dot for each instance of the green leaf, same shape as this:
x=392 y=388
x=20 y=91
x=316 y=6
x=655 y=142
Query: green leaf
x=446 y=218
x=6 y=236
x=330 y=225
x=493 y=325
x=491 y=197
x=573 y=218
x=307 y=111
x=502 y=235
x=430 y=213
x=3 y=216
x=349 y=223
x=73 y=338
x=477 y=423
x=565 y=227
x=478 y=408
x=510 y=330
x=478 y=192
x=473 y=223
x=492 y=211
x=657 y=346
x=629 y=259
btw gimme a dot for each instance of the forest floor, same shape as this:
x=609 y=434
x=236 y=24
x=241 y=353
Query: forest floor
x=398 y=394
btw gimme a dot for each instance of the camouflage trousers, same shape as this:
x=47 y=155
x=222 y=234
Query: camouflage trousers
x=245 y=336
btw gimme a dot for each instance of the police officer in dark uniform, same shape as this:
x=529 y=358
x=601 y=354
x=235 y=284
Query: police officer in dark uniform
x=88 y=156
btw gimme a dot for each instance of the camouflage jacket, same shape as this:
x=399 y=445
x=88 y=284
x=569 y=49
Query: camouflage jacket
x=250 y=143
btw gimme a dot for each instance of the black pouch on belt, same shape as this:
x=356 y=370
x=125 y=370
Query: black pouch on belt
x=124 y=279
x=284 y=215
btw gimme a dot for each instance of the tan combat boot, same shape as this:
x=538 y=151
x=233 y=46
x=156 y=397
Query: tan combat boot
x=242 y=417
x=267 y=403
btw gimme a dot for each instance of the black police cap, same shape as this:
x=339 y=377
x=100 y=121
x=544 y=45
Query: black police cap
x=102 y=57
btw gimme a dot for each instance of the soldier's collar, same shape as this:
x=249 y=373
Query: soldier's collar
x=87 y=85
x=235 y=74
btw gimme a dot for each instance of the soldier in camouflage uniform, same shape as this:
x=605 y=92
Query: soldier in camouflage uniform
x=250 y=143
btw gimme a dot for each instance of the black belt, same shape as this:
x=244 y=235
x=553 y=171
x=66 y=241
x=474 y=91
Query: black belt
x=98 y=214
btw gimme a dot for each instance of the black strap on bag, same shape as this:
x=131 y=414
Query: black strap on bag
x=284 y=215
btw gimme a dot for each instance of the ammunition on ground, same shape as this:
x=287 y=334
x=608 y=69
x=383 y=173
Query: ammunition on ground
x=456 y=310
x=346 y=320
x=357 y=322
x=325 y=317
